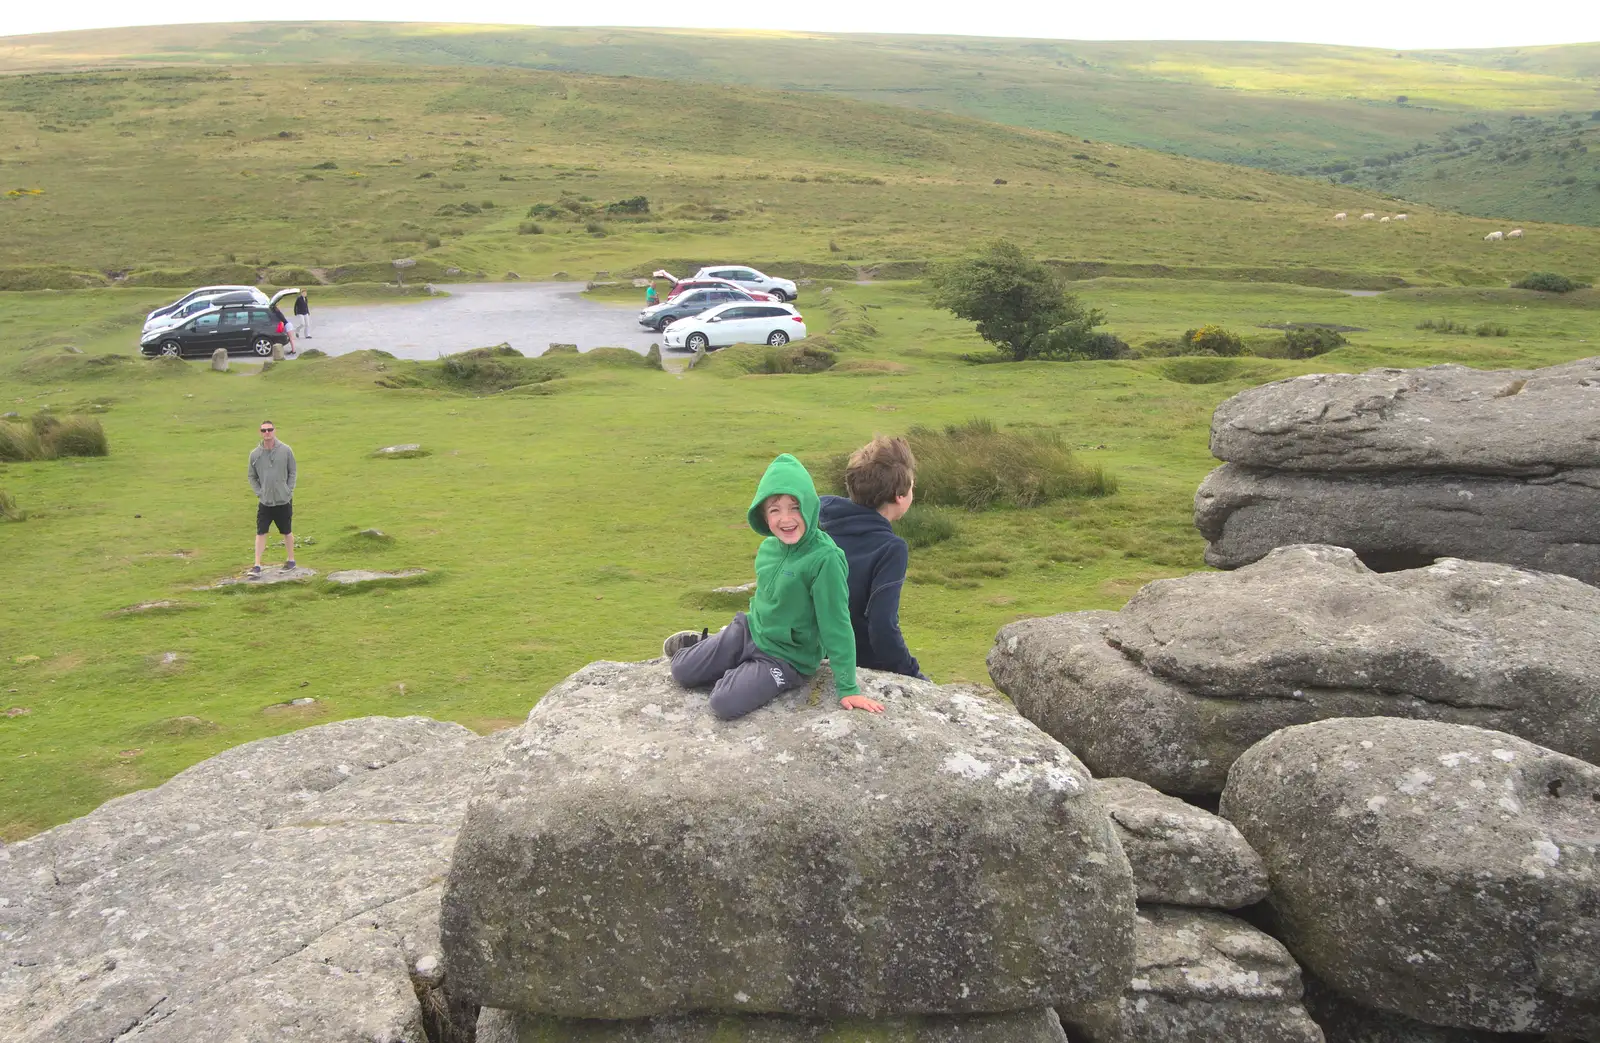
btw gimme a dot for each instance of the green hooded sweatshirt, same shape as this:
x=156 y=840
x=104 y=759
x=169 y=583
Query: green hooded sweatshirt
x=801 y=609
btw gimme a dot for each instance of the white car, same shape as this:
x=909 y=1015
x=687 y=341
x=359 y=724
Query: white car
x=176 y=318
x=742 y=322
x=204 y=291
x=750 y=279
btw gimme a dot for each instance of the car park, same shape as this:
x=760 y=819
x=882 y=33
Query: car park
x=738 y=322
x=241 y=325
x=691 y=302
x=720 y=284
x=750 y=279
x=204 y=291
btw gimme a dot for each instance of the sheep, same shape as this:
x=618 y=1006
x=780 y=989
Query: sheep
x=1340 y=216
x=1401 y=217
x=1369 y=217
x=1383 y=220
x=1494 y=237
x=1515 y=233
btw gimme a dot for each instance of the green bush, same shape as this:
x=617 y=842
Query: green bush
x=975 y=465
x=796 y=357
x=1549 y=282
x=636 y=205
x=924 y=526
x=1489 y=329
x=9 y=511
x=46 y=437
x=1443 y=326
x=1019 y=305
x=1201 y=370
x=1213 y=339
x=530 y=228
x=595 y=228
x=1310 y=341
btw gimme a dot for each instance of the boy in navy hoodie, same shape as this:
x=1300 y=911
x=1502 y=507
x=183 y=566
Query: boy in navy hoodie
x=880 y=479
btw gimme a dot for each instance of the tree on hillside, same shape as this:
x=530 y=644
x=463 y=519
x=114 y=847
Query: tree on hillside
x=1020 y=306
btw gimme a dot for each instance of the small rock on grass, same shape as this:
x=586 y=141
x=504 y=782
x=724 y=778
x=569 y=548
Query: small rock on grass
x=406 y=451
x=352 y=577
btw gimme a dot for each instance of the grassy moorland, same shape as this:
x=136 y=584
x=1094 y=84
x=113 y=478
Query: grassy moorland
x=580 y=518
x=585 y=512
x=317 y=167
x=1290 y=107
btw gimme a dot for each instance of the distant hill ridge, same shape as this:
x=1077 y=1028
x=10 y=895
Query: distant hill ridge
x=1294 y=108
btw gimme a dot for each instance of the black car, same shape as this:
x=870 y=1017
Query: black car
x=242 y=326
x=687 y=303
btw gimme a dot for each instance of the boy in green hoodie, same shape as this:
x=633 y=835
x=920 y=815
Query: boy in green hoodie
x=800 y=613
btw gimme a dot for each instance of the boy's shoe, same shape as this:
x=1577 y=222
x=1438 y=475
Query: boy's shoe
x=681 y=640
x=254 y=572
x=288 y=565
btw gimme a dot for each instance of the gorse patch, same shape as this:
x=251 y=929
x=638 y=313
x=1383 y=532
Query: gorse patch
x=977 y=466
x=46 y=437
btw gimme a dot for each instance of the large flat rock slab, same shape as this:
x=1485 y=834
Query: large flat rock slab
x=1443 y=419
x=1403 y=520
x=1407 y=465
x=1194 y=671
x=357 y=577
x=1445 y=873
x=632 y=856
x=285 y=889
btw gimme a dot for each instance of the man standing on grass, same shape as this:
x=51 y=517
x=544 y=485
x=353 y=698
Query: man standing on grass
x=272 y=476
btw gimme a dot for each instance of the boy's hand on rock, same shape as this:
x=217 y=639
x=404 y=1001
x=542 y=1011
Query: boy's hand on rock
x=861 y=702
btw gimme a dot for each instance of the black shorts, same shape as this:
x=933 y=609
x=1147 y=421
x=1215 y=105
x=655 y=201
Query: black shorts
x=282 y=515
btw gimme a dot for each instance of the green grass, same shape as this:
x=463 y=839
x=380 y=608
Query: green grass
x=891 y=189
x=573 y=525
x=1289 y=107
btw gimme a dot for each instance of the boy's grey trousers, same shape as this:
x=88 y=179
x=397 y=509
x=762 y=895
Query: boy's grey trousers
x=742 y=677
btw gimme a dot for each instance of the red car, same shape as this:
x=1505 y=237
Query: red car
x=720 y=284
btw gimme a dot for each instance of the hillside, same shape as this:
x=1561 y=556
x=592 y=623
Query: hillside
x=317 y=166
x=1288 y=107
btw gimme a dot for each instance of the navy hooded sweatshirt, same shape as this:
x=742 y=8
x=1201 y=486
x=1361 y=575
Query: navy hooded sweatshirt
x=877 y=560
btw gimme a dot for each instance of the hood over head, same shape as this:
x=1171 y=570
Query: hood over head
x=786 y=475
x=842 y=516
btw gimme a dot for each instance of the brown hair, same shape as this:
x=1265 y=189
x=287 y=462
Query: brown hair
x=880 y=471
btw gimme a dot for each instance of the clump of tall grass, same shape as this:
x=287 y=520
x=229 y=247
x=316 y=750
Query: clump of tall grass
x=46 y=437
x=976 y=466
x=9 y=511
x=924 y=526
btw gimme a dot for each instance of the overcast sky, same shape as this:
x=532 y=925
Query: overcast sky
x=1405 y=24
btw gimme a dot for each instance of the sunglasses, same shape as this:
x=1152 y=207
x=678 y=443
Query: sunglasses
x=268 y=430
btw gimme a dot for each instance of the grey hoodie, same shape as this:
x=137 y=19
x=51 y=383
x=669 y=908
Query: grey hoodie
x=272 y=474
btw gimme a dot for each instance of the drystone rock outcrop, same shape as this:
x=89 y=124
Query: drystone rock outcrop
x=1181 y=854
x=284 y=889
x=1193 y=671
x=1404 y=466
x=1204 y=975
x=1344 y=1022
x=632 y=857
x=1442 y=872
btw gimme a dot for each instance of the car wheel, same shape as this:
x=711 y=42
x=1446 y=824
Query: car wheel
x=262 y=347
x=778 y=338
x=661 y=327
x=697 y=342
x=172 y=347
x=779 y=296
